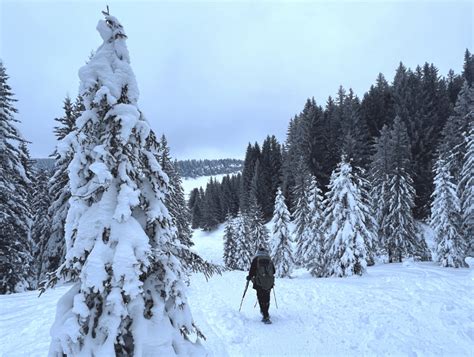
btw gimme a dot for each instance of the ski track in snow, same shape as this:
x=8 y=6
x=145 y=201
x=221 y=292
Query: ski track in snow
x=408 y=309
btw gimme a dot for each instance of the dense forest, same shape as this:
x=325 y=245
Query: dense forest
x=404 y=150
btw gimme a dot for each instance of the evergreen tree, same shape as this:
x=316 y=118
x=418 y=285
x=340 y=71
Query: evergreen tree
x=368 y=210
x=67 y=123
x=399 y=224
x=211 y=207
x=16 y=262
x=257 y=230
x=123 y=258
x=468 y=68
x=354 y=131
x=377 y=107
x=466 y=189
x=380 y=171
x=291 y=157
x=52 y=245
x=302 y=221
x=244 y=245
x=175 y=200
x=453 y=145
x=194 y=205
x=446 y=220
x=281 y=248
x=230 y=245
x=251 y=157
x=333 y=131
x=345 y=223
x=311 y=250
x=270 y=173
x=454 y=85
x=41 y=227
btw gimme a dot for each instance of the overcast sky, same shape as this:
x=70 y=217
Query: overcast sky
x=215 y=75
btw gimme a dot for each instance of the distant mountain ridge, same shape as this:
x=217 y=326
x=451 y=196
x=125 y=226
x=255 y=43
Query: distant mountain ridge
x=187 y=168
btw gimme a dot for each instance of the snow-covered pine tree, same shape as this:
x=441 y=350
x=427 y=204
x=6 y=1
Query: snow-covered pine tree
x=466 y=190
x=345 y=223
x=52 y=243
x=16 y=262
x=282 y=254
x=446 y=220
x=41 y=227
x=302 y=220
x=127 y=268
x=399 y=224
x=380 y=171
x=244 y=245
x=175 y=200
x=257 y=230
x=26 y=188
x=312 y=252
x=453 y=145
x=368 y=206
x=230 y=247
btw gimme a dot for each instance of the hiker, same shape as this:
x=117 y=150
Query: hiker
x=262 y=273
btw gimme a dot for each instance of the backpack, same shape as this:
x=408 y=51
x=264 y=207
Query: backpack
x=265 y=273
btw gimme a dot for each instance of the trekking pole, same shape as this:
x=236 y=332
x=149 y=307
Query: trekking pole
x=274 y=296
x=254 y=306
x=246 y=287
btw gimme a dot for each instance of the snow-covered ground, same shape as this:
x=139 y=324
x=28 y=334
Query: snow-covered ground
x=409 y=309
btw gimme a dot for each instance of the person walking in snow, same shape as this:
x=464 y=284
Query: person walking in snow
x=262 y=274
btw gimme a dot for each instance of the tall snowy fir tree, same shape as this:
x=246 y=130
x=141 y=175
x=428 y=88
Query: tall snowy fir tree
x=244 y=245
x=16 y=262
x=41 y=227
x=466 y=189
x=345 y=222
x=453 y=144
x=257 y=230
x=230 y=244
x=175 y=200
x=52 y=244
x=398 y=226
x=311 y=250
x=446 y=220
x=380 y=171
x=123 y=259
x=302 y=220
x=282 y=254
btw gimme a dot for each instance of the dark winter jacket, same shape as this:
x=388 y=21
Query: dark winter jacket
x=253 y=267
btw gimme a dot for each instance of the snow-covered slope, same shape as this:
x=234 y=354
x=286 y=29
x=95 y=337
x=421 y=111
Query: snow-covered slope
x=191 y=183
x=409 y=309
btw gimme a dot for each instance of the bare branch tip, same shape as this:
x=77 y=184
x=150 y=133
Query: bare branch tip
x=106 y=13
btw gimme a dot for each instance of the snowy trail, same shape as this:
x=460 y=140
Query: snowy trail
x=416 y=310
x=25 y=321
x=410 y=309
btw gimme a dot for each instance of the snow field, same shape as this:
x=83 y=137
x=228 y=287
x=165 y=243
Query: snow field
x=411 y=310
x=408 y=309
